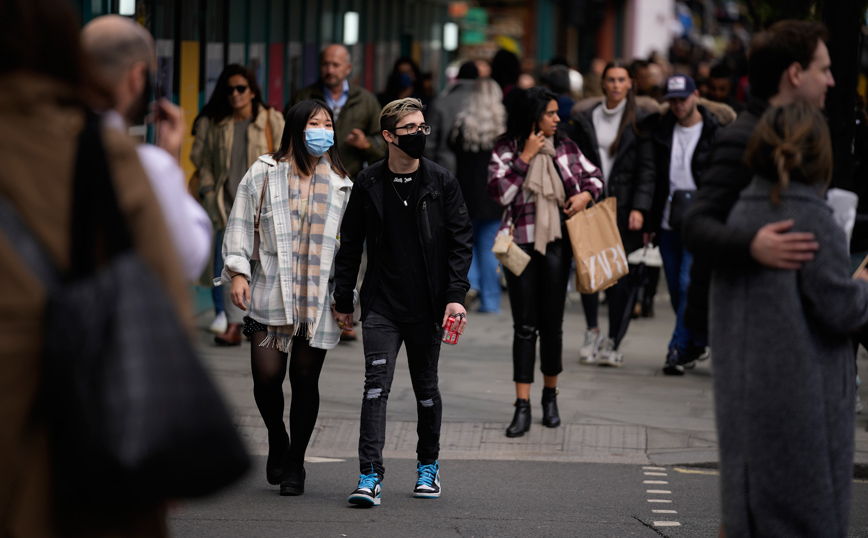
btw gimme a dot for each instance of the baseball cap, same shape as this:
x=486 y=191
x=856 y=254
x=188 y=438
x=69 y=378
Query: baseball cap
x=679 y=86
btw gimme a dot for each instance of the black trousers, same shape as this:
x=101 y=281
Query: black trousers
x=382 y=338
x=537 y=299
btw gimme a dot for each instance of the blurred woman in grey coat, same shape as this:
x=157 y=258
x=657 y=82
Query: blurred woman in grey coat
x=784 y=368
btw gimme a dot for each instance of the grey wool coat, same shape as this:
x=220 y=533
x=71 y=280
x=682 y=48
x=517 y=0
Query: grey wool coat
x=784 y=376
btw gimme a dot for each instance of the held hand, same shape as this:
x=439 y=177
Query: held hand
x=357 y=139
x=647 y=238
x=532 y=145
x=577 y=203
x=344 y=320
x=775 y=247
x=455 y=309
x=172 y=128
x=636 y=221
x=240 y=292
x=863 y=275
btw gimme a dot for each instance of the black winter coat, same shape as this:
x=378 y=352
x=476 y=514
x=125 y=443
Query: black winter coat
x=658 y=167
x=471 y=169
x=444 y=233
x=706 y=234
x=624 y=181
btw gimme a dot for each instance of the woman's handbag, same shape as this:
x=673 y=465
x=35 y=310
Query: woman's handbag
x=254 y=256
x=679 y=205
x=132 y=415
x=597 y=247
x=509 y=254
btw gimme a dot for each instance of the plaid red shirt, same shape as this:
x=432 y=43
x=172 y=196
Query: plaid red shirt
x=506 y=173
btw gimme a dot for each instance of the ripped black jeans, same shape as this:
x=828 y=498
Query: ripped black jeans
x=382 y=339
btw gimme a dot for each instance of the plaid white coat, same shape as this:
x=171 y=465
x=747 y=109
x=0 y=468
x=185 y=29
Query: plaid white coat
x=271 y=286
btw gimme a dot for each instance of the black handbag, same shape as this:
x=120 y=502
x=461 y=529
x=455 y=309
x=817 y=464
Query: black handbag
x=132 y=415
x=678 y=206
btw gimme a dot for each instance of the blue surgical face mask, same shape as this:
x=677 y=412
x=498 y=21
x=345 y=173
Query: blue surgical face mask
x=318 y=141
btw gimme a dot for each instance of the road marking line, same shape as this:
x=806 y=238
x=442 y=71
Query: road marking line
x=667 y=524
x=697 y=471
x=665 y=491
x=654 y=468
x=655 y=474
x=655 y=482
x=659 y=501
x=664 y=511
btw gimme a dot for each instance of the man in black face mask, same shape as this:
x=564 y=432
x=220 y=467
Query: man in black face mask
x=411 y=212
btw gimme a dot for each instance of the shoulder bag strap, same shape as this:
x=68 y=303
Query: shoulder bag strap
x=259 y=208
x=29 y=249
x=268 y=134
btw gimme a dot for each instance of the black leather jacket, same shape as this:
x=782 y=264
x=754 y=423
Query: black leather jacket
x=444 y=233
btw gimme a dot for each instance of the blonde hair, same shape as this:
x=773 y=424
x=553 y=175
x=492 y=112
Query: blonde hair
x=483 y=119
x=394 y=111
x=791 y=142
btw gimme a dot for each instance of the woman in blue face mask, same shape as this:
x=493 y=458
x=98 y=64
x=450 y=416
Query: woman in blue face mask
x=279 y=248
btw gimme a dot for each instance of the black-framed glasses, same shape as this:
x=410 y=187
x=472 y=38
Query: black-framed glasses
x=240 y=89
x=412 y=128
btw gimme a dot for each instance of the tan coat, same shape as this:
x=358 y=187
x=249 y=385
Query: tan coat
x=37 y=148
x=214 y=169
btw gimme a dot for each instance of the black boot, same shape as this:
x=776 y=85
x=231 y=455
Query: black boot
x=521 y=419
x=275 y=466
x=293 y=481
x=550 y=408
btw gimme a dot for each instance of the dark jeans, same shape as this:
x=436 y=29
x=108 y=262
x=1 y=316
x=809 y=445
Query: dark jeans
x=676 y=266
x=619 y=296
x=537 y=299
x=382 y=338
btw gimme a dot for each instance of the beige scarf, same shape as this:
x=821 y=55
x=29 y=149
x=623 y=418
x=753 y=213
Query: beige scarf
x=545 y=183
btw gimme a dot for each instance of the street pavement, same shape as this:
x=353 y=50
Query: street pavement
x=585 y=478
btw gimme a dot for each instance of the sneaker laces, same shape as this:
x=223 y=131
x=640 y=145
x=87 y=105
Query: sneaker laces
x=426 y=474
x=368 y=481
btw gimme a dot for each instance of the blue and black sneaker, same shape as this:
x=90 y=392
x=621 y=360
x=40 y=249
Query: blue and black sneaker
x=427 y=481
x=368 y=492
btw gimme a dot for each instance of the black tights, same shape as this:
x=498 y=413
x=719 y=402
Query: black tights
x=269 y=370
x=618 y=295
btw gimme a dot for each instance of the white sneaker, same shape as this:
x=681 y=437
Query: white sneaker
x=588 y=351
x=609 y=356
x=220 y=324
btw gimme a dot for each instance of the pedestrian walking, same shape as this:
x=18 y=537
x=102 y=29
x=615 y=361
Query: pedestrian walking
x=411 y=213
x=441 y=117
x=293 y=201
x=612 y=137
x=404 y=81
x=47 y=86
x=541 y=178
x=681 y=148
x=472 y=137
x=243 y=128
x=784 y=375
x=788 y=63
x=201 y=126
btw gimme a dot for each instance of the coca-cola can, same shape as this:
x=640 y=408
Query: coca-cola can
x=450 y=331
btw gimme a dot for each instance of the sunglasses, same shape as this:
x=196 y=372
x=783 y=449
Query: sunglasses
x=239 y=89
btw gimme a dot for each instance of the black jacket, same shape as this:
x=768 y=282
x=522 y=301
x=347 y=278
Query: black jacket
x=657 y=168
x=444 y=232
x=631 y=190
x=705 y=232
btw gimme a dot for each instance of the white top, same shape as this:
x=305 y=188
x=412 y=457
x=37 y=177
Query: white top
x=188 y=224
x=684 y=141
x=606 y=123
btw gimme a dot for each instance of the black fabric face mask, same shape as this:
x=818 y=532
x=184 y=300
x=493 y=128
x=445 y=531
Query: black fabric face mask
x=412 y=144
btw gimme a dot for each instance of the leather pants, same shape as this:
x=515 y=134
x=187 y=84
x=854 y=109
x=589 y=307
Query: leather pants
x=537 y=299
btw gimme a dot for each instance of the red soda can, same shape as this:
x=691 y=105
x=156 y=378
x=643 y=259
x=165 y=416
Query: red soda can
x=450 y=331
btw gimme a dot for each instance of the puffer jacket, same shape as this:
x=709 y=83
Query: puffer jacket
x=632 y=191
x=714 y=117
x=214 y=169
x=361 y=111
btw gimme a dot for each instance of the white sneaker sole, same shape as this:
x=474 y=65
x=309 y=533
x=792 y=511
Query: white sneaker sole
x=364 y=500
x=421 y=495
x=588 y=360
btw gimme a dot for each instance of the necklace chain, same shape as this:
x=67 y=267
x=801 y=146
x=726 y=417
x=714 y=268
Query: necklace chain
x=399 y=194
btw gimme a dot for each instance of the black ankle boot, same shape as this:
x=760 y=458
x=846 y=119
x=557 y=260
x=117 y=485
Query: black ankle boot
x=521 y=419
x=293 y=481
x=275 y=466
x=550 y=408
